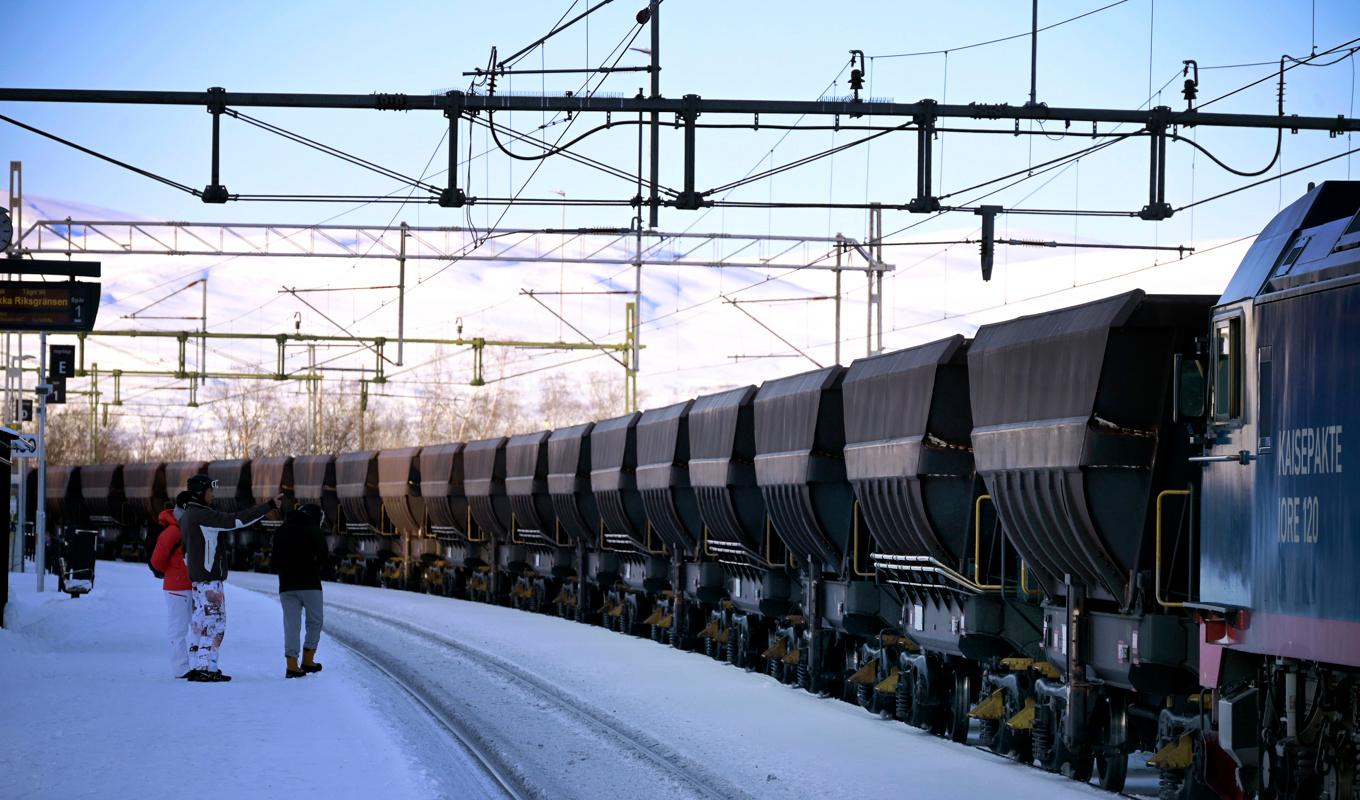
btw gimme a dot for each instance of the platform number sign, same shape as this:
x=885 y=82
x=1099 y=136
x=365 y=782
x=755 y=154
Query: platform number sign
x=61 y=359
x=23 y=410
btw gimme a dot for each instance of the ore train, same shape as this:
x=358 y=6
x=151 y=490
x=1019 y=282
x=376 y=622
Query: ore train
x=1119 y=527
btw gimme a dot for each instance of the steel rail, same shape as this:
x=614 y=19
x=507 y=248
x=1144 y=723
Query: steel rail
x=689 y=774
x=499 y=773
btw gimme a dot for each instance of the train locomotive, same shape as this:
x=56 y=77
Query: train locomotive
x=1120 y=527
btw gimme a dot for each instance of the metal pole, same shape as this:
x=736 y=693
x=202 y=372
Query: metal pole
x=656 y=119
x=878 y=254
x=1034 y=55
x=838 y=304
x=637 y=307
x=17 y=556
x=40 y=526
x=401 y=295
x=203 y=340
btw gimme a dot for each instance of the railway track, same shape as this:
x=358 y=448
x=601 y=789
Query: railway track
x=508 y=762
x=477 y=750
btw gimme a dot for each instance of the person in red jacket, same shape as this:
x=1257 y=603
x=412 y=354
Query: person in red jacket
x=168 y=559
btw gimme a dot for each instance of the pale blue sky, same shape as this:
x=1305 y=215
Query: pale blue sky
x=714 y=49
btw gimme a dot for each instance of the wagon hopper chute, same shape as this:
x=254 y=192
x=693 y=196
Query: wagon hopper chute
x=178 y=473
x=356 y=486
x=145 y=491
x=668 y=496
x=548 y=552
x=235 y=493
x=399 y=488
x=269 y=476
x=578 y=517
x=737 y=530
x=626 y=532
x=492 y=517
x=105 y=510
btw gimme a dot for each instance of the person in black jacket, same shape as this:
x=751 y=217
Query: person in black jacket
x=299 y=553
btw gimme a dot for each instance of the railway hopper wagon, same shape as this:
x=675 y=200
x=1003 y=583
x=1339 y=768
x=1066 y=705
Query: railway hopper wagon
x=404 y=508
x=178 y=473
x=968 y=625
x=737 y=534
x=145 y=492
x=1077 y=438
x=448 y=519
x=492 y=520
x=663 y=480
x=578 y=518
x=235 y=492
x=314 y=482
x=1279 y=550
x=105 y=512
x=625 y=532
x=549 y=553
x=371 y=538
x=800 y=468
x=65 y=502
x=269 y=476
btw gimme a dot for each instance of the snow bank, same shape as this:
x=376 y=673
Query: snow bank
x=88 y=709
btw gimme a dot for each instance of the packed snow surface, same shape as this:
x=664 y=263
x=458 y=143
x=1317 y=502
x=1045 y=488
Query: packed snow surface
x=88 y=708
x=571 y=710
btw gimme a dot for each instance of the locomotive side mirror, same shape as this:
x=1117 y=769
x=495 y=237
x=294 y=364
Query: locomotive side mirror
x=1189 y=389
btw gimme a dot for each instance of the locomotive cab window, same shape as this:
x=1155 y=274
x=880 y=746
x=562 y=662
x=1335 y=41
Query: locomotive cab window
x=1227 y=364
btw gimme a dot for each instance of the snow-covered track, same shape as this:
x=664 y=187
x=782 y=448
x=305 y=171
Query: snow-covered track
x=695 y=779
x=433 y=704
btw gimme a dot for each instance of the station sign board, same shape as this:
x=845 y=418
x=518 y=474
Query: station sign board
x=55 y=307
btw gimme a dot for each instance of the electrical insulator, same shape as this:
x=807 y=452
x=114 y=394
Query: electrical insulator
x=856 y=79
x=1190 y=91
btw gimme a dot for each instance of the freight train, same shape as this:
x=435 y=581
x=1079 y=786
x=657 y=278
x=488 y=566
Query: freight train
x=1119 y=527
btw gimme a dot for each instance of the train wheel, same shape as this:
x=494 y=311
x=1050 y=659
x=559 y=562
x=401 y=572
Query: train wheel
x=1111 y=762
x=903 y=696
x=956 y=713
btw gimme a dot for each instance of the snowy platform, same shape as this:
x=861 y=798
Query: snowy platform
x=88 y=709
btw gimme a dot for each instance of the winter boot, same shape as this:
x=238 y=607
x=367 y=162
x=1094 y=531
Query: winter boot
x=292 y=670
x=308 y=665
x=206 y=676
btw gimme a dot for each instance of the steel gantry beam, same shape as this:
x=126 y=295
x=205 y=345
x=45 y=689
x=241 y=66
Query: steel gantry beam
x=919 y=117
x=607 y=246
x=394 y=101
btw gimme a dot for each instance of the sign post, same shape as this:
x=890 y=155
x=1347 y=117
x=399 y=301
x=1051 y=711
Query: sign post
x=40 y=515
x=68 y=306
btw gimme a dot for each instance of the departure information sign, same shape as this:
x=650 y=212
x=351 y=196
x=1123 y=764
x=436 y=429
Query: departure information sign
x=55 y=307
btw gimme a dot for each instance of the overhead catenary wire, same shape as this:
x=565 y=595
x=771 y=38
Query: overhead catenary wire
x=110 y=159
x=998 y=40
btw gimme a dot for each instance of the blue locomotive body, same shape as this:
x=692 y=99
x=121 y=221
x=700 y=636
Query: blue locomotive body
x=1279 y=545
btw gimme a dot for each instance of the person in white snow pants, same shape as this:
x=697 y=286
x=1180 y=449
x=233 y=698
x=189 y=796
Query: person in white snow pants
x=206 y=544
x=167 y=561
x=208 y=626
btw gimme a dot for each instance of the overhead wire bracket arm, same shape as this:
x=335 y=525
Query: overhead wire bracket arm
x=689 y=199
x=215 y=192
x=924 y=202
x=772 y=331
x=603 y=348
x=453 y=197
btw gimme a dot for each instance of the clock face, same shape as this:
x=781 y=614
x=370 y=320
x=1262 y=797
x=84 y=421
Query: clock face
x=6 y=229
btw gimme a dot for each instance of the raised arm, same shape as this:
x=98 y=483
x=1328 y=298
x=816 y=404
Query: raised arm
x=222 y=521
